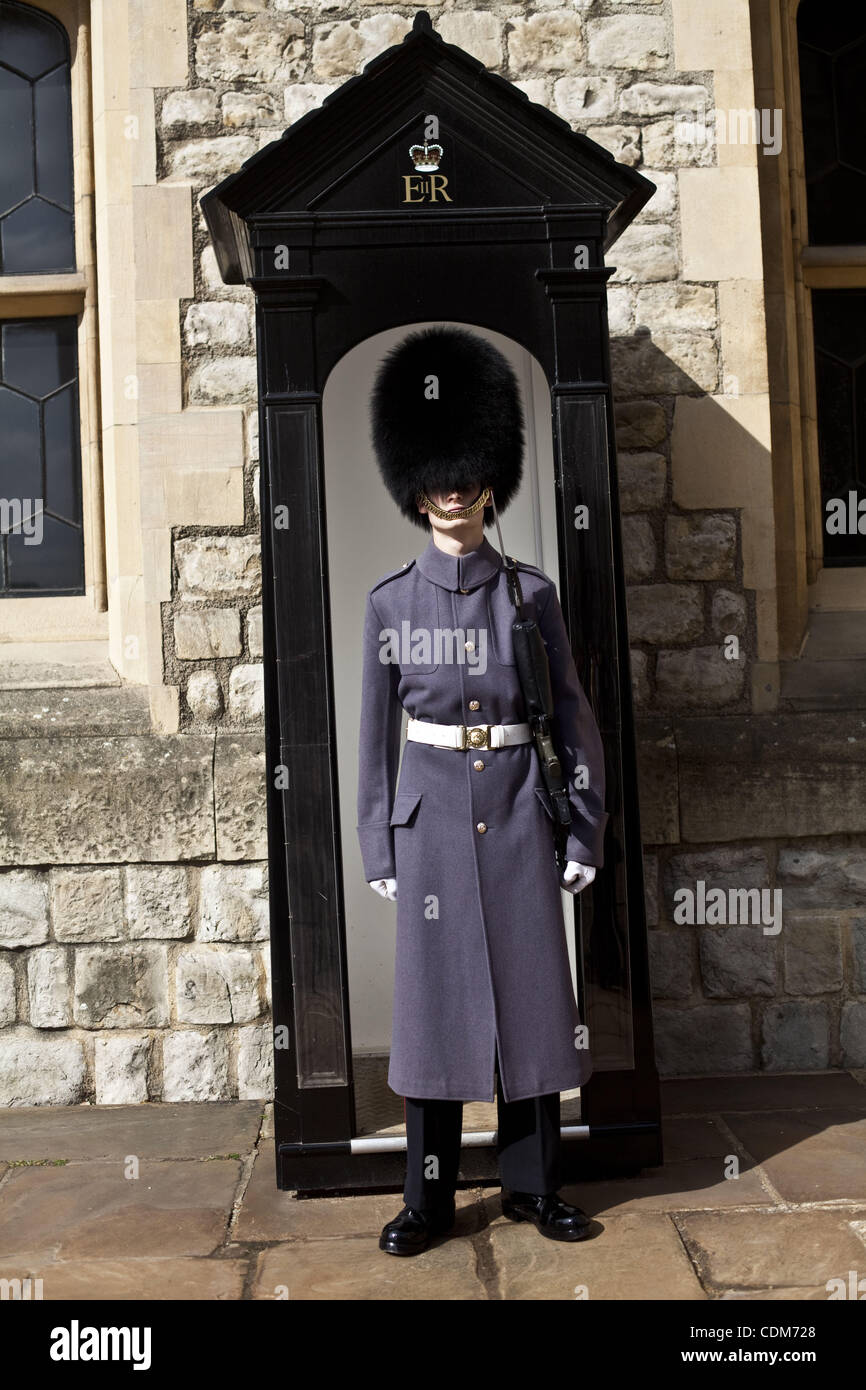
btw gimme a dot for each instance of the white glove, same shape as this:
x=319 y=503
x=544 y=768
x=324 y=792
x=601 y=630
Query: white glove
x=387 y=887
x=576 y=877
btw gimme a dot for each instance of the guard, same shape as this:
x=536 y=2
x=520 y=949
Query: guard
x=482 y=996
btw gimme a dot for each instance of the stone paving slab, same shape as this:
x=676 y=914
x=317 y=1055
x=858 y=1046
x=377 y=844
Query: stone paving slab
x=693 y=1185
x=136 y=1280
x=635 y=1255
x=693 y=1137
x=699 y=1096
x=356 y=1269
x=772 y=1249
x=809 y=1156
x=268 y=1214
x=191 y=1130
x=92 y=1209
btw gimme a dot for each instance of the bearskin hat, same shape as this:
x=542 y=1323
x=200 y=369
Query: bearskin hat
x=445 y=412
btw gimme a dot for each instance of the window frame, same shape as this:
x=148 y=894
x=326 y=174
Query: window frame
x=50 y=294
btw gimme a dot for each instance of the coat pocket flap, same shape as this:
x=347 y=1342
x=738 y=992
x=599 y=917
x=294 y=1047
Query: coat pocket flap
x=404 y=806
x=544 y=797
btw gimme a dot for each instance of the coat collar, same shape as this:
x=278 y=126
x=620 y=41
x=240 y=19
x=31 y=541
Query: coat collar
x=460 y=571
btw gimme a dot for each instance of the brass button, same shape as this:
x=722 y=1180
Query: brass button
x=481 y=827
x=470 y=646
x=479 y=766
x=464 y=591
x=474 y=704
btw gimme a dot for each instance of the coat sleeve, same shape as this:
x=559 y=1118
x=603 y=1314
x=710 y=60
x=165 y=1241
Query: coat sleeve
x=378 y=751
x=577 y=741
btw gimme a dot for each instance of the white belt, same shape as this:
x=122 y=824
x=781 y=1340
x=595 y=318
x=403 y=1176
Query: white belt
x=468 y=735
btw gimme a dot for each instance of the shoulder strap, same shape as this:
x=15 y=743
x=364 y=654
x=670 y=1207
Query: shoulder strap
x=515 y=592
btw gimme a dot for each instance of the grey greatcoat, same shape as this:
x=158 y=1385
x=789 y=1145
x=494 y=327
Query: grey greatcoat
x=481 y=954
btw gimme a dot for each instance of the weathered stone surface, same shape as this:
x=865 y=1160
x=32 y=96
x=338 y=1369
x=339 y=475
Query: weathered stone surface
x=710 y=1039
x=737 y=962
x=670 y=957
x=698 y=678
x=619 y=310
x=96 y=1210
x=158 y=901
x=786 y=1252
x=8 y=1006
x=674 y=304
x=120 y=1069
x=662 y=206
x=628 y=41
x=728 y=613
x=654 y=98
x=40 y=1071
x=156 y=1131
x=667 y=362
x=190 y=1279
x=642 y=478
x=208 y=161
x=233 y=903
x=247 y=693
x=190 y=106
x=195 y=1065
x=665 y=613
x=645 y=253
x=479 y=32
x=651 y=888
x=342 y=49
x=305 y=96
x=226 y=381
x=207 y=633
x=834 y=878
x=254 y=631
x=577 y=97
x=204 y=696
x=217 y=323
x=639 y=548
x=639 y=424
x=68 y=710
x=23 y=904
x=852 y=1033
x=550 y=42
x=664 y=147
x=727 y=868
x=239 y=775
x=121 y=986
x=257 y=48
x=795 y=1036
x=858 y=949
x=248 y=108
x=312 y=1270
x=106 y=800
x=219 y=566
x=255 y=1062
x=657 y=781
x=87 y=904
x=640 y=689
x=217 y=986
x=623 y=142
x=702 y=546
x=813 y=952
x=213 y=280
x=48 y=987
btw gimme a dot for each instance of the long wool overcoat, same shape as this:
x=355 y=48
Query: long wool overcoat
x=481 y=955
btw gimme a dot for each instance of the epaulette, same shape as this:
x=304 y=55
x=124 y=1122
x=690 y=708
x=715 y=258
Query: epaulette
x=531 y=569
x=392 y=574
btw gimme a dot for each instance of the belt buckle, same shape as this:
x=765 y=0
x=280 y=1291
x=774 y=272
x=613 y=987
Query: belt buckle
x=476 y=736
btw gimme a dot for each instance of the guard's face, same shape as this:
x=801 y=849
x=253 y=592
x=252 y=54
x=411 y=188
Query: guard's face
x=454 y=499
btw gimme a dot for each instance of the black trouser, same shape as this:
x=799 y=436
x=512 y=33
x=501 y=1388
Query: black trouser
x=527 y=1146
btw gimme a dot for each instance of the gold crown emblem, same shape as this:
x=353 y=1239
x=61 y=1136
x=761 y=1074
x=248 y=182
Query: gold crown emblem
x=426 y=157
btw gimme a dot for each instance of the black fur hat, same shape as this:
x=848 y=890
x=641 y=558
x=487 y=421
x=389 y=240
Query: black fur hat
x=468 y=430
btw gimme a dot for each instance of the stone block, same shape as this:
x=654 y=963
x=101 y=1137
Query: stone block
x=121 y=987
x=207 y=633
x=41 y=1071
x=639 y=424
x=665 y=613
x=8 y=1006
x=700 y=547
x=795 y=1037
x=546 y=42
x=255 y=1062
x=218 y=567
x=254 y=49
x=233 y=903
x=710 y=1040
x=217 y=323
x=23 y=906
x=642 y=480
x=87 y=904
x=813 y=953
x=195 y=1065
x=670 y=962
x=701 y=678
x=120 y=1069
x=204 y=696
x=217 y=986
x=628 y=41
x=737 y=962
x=247 y=693
x=158 y=902
x=639 y=548
x=657 y=781
x=191 y=106
x=48 y=987
x=239 y=772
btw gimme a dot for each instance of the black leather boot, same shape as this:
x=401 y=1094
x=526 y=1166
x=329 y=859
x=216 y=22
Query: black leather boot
x=412 y=1230
x=553 y=1217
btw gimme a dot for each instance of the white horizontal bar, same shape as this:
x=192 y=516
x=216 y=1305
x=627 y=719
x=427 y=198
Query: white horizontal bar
x=476 y=1138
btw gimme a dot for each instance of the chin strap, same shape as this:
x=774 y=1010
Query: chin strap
x=457 y=515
